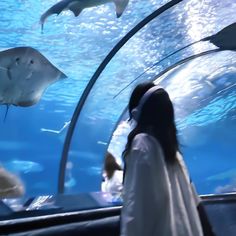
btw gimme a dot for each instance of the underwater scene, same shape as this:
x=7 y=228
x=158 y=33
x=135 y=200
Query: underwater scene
x=49 y=60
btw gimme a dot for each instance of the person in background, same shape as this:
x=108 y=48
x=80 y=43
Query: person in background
x=158 y=198
x=113 y=175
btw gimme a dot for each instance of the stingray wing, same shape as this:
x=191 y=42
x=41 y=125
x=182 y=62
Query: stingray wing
x=226 y=38
x=25 y=75
x=43 y=74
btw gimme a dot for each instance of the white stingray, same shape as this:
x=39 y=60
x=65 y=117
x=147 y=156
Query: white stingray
x=24 y=75
x=76 y=6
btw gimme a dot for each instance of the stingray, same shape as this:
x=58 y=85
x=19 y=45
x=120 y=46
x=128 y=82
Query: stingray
x=24 y=75
x=77 y=6
x=225 y=39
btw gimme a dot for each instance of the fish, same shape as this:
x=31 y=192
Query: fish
x=23 y=166
x=77 y=6
x=229 y=174
x=227 y=188
x=66 y=124
x=24 y=76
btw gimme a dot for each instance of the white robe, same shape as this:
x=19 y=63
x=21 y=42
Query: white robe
x=158 y=198
x=114 y=184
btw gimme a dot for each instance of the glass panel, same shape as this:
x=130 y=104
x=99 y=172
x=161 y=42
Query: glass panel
x=31 y=138
x=187 y=22
x=203 y=91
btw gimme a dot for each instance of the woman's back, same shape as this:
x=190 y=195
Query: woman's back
x=158 y=198
x=184 y=200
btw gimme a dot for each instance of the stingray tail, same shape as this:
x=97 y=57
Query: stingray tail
x=157 y=63
x=6 y=112
x=55 y=9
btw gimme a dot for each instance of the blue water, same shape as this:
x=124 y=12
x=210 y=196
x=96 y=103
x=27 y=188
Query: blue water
x=77 y=46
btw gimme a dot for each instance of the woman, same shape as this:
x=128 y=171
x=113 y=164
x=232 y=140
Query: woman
x=113 y=175
x=158 y=198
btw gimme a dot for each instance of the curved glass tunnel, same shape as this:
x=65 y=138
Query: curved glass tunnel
x=31 y=138
x=203 y=91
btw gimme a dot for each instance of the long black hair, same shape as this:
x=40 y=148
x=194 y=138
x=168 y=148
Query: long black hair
x=157 y=118
x=137 y=94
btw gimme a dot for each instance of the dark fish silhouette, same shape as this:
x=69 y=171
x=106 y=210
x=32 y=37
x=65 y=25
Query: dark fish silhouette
x=225 y=39
x=76 y=6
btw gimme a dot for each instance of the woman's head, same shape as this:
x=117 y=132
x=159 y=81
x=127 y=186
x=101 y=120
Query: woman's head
x=110 y=165
x=137 y=94
x=155 y=113
x=155 y=109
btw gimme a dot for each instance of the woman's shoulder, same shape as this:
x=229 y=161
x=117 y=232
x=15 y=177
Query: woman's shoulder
x=144 y=137
x=144 y=141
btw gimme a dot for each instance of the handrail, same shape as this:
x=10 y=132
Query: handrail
x=112 y=53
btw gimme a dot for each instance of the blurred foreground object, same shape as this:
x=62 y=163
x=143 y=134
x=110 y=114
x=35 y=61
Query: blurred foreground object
x=10 y=185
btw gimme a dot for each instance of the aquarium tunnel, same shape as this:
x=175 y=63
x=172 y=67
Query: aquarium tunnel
x=56 y=145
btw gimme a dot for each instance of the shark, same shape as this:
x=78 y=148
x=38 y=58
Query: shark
x=77 y=6
x=24 y=76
